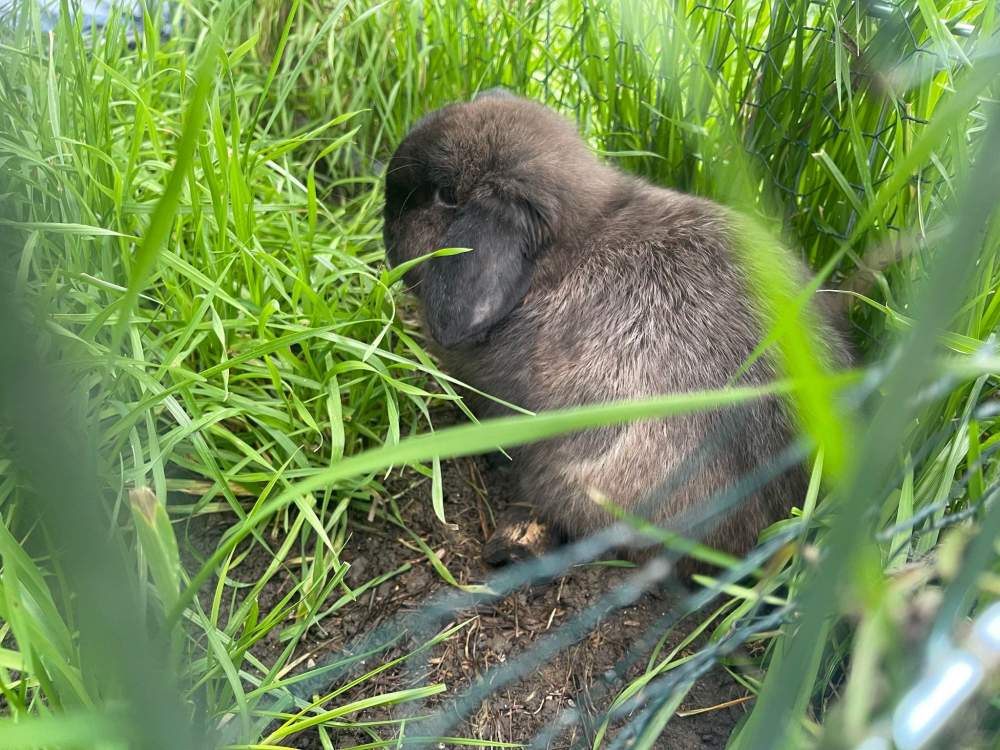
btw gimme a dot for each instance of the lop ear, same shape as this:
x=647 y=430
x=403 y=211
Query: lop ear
x=465 y=295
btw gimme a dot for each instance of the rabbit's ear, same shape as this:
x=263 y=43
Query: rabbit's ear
x=465 y=295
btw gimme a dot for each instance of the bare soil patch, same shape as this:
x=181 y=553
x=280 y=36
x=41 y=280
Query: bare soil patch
x=580 y=678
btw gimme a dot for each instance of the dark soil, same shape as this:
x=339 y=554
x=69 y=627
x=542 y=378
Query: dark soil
x=578 y=683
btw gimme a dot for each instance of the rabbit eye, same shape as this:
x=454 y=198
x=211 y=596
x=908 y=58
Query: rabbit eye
x=445 y=196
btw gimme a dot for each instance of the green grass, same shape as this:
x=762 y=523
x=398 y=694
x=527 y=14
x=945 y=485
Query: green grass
x=192 y=274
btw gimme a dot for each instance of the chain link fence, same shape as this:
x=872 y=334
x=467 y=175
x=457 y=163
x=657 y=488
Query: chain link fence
x=826 y=115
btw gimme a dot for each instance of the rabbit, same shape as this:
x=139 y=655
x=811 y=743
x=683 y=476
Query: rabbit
x=588 y=285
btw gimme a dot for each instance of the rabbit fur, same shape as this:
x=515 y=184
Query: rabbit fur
x=587 y=285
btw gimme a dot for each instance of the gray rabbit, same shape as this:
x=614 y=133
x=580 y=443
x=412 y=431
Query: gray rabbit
x=587 y=285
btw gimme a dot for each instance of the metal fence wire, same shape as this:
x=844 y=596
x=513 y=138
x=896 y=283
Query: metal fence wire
x=824 y=135
x=850 y=52
x=856 y=62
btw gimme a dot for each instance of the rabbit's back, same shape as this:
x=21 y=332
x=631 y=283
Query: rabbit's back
x=652 y=303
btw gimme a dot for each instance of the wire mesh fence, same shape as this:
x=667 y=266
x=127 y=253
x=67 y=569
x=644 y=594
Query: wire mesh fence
x=836 y=110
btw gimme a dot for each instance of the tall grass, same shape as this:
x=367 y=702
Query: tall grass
x=191 y=232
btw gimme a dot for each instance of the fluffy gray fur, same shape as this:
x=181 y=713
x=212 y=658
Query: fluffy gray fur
x=588 y=285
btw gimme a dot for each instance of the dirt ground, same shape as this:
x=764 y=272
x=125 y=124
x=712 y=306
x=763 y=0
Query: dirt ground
x=580 y=680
